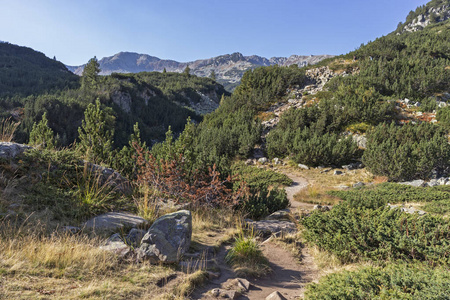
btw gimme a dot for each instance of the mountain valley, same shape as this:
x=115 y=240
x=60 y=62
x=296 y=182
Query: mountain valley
x=308 y=177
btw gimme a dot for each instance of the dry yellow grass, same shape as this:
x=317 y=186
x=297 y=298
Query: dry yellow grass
x=320 y=183
x=213 y=227
x=328 y=263
x=63 y=266
x=38 y=265
x=7 y=129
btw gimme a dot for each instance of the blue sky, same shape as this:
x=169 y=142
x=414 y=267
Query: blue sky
x=185 y=30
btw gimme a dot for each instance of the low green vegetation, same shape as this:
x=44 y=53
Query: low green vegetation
x=434 y=199
x=257 y=178
x=311 y=137
x=260 y=203
x=407 y=152
x=396 y=281
x=354 y=231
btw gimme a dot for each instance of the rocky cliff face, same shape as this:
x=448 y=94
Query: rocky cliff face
x=425 y=16
x=228 y=68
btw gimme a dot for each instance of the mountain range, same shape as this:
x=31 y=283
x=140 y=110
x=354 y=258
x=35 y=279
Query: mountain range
x=228 y=68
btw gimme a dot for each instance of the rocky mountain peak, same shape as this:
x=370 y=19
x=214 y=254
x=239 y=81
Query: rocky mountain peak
x=229 y=68
x=433 y=12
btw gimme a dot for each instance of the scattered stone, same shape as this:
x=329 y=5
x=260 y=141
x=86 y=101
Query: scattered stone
x=276 y=161
x=433 y=182
x=269 y=227
x=281 y=215
x=322 y=208
x=415 y=183
x=302 y=166
x=360 y=140
x=113 y=221
x=409 y=210
x=275 y=296
x=249 y=162
x=358 y=184
x=10 y=150
x=168 y=238
x=263 y=160
x=238 y=284
x=337 y=172
x=227 y=294
x=341 y=187
x=215 y=292
x=442 y=181
x=353 y=166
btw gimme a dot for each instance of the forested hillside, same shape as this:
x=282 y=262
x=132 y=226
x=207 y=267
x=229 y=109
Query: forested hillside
x=34 y=84
x=24 y=71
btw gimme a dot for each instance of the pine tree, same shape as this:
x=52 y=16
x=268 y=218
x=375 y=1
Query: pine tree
x=89 y=78
x=187 y=71
x=96 y=134
x=213 y=75
x=41 y=135
x=164 y=71
x=125 y=160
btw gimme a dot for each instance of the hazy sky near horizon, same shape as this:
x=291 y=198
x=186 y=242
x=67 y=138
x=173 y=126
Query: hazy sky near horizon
x=184 y=30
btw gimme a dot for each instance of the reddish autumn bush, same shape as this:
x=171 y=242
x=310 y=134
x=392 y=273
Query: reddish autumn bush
x=168 y=178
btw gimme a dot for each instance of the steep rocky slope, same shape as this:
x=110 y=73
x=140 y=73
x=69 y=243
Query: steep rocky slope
x=433 y=12
x=228 y=68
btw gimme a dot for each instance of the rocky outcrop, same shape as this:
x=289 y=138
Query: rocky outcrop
x=10 y=150
x=269 y=227
x=123 y=100
x=228 y=68
x=168 y=238
x=429 y=16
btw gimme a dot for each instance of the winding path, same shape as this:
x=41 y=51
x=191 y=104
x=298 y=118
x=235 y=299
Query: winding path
x=289 y=275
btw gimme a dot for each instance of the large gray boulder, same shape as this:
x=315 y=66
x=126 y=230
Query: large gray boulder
x=168 y=238
x=10 y=150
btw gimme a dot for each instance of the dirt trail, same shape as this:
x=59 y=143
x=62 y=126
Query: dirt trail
x=289 y=275
x=298 y=184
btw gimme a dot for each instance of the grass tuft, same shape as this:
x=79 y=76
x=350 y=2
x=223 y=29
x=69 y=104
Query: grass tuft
x=246 y=256
x=7 y=129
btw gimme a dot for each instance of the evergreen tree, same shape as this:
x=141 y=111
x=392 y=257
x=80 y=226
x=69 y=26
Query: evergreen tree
x=125 y=160
x=89 y=78
x=96 y=134
x=213 y=75
x=187 y=71
x=41 y=135
x=164 y=71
